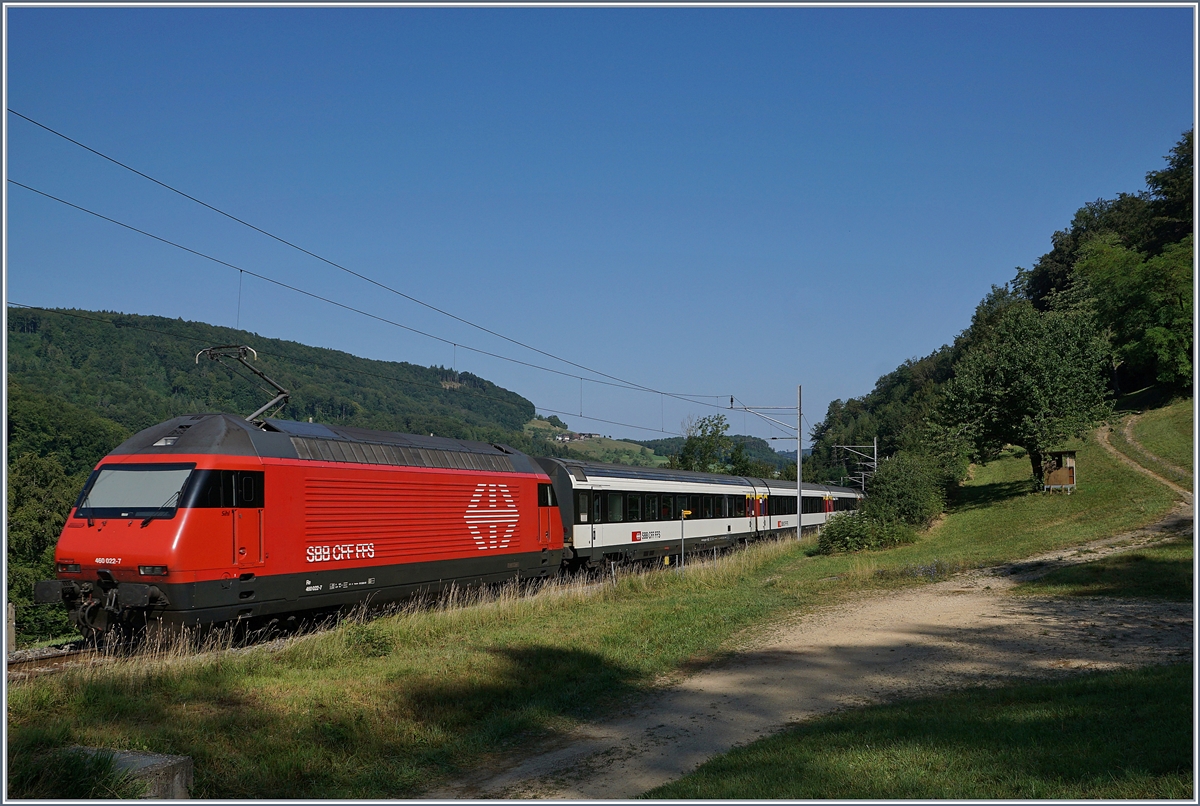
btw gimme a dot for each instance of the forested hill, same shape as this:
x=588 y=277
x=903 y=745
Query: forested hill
x=136 y=371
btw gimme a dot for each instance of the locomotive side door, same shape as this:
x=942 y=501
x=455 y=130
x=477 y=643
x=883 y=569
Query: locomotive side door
x=246 y=493
x=547 y=509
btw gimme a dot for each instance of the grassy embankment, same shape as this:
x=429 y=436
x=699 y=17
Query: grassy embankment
x=389 y=708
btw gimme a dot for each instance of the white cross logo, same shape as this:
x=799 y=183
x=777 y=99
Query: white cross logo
x=491 y=516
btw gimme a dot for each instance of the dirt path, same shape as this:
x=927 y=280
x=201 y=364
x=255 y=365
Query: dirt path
x=960 y=632
x=1102 y=438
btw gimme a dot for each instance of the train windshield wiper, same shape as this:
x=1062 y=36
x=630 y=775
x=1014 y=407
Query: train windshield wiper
x=159 y=512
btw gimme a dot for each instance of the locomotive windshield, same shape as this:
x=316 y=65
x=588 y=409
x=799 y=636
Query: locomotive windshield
x=133 y=491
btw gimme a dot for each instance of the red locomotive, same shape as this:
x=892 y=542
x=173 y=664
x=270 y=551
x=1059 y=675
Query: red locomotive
x=210 y=518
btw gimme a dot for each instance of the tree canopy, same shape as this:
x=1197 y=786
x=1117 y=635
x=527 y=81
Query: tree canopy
x=1034 y=379
x=705 y=446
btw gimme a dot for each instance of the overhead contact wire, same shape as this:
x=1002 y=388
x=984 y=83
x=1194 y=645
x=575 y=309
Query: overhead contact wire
x=342 y=305
x=363 y=277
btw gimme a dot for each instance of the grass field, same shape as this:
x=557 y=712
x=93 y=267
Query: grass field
x=391 y=707
x=1164 y=433
x=1157 y=572
x=1168 y=433
x=600 y=449
x=1114 y=735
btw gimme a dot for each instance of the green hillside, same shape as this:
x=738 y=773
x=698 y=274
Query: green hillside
x=598 y=449
x=141 y=370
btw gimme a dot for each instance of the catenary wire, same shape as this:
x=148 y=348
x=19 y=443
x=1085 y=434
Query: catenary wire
x=343 y=305
x=365 y=278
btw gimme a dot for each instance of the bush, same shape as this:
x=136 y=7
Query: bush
x=858 y=532
x=907 y=489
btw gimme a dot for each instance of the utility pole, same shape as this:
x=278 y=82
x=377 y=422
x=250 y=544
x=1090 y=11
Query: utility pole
x=799 y=442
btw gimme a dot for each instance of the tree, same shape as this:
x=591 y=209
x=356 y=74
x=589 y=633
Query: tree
x=40 y=495
x=705 y=446
x=1171 y=197
x=1034 y=379
x=1146 y=304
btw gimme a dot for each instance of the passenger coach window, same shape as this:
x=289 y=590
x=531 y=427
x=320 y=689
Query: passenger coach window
x=597 y=508
x=635 y=506
x=707 y=506
x=581 y=511
x=616 y=508
x=652 y=513
x=739 y=506
x=668 y=508
x=681 y=503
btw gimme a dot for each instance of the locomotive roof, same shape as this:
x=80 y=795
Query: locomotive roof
x=229 y=435
x=606 y=470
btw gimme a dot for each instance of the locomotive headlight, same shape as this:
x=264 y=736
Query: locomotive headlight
x=69 y=568
x=152 y=570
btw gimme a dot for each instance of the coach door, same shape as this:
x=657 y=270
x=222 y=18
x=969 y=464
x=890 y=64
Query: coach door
x=248 y=538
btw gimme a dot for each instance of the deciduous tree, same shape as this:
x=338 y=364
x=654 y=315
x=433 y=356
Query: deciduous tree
x=706 y=445
x=1034 y=380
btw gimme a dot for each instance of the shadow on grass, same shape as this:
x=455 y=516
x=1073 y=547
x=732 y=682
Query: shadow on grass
x=1152 y=397
x=1127 y=575
x=982 y=496
x=334 y=740
x=530 y=687
x=1123 y=734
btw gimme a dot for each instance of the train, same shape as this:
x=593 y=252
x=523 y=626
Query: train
x=211 y=518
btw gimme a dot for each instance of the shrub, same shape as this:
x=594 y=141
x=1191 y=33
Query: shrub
x=859 y=532
x=907 y=489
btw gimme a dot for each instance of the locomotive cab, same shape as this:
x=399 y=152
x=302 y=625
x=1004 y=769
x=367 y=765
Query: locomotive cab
x=121 y=554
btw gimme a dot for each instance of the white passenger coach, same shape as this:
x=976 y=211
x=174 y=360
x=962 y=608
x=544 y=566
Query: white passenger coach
x=620 y=513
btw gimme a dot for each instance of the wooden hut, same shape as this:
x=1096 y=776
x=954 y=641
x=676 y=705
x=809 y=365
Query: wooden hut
x=1060 y=471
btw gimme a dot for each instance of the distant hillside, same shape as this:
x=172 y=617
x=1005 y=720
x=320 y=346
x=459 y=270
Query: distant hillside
x=139 y=370
x=597 y=449
x=757 y=449
x=791 y=455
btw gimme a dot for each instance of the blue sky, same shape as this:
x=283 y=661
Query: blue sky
x=699 y=201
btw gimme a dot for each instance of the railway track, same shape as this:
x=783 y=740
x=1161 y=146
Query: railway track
x=21 y=668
